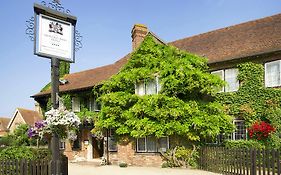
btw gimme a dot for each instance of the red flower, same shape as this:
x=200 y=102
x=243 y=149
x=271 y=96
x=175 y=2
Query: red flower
x=260 y=130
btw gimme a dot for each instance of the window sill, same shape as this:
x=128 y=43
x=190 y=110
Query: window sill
x=279 y=86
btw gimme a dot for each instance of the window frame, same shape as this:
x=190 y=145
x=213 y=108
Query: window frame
x=96 y=105
x=157 y=150
x=223 y=77
x=266 y=74
x=227 y=88
x=233 y=135
x=110 y=136
x=137 y=85
x=73 y=101
x=144 y=84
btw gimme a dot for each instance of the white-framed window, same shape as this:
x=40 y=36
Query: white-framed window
x=148 y=87
x=112 y=144
x=230 y=76
x=152 y=144
x=62 y=144
x=140 y=88
x=240 y=130
x=272 y=73
x=94 y=106
x=75 y=104
x=219 y=73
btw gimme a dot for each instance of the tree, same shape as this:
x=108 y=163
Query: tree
x=184 y=106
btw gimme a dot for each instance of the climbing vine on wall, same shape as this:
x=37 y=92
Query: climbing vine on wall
x=253 y=101
x=183 y=107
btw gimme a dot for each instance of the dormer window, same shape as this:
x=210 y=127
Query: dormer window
x=148 y=87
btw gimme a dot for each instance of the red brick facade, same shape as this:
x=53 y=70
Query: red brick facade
x=127 y=153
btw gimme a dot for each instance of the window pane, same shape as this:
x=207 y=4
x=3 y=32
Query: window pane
x=141 y=145
x=140 y=88
x=220 y=74
x=231 y=79
x=94 y=105
x=240 y=132
x=163 y=144
x=151 y=87
x=272 y=74
x=75 y=104
x=151 y=144
x=112 y=144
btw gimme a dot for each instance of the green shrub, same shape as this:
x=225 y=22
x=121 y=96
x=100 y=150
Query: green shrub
x=244 y=144
x=6 y=140
x=181 y=156
x=14 y=152
x=165 y=165
x=23 y=152
x=123 y=164
x=42 y=153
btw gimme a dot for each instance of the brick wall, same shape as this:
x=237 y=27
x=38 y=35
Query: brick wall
x=71 y=154
x=126 y=153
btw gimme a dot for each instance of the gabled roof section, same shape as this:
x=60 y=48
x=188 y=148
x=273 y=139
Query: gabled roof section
x=4 y=123
x=29 y=116
x=238 y=41
x=89 y=78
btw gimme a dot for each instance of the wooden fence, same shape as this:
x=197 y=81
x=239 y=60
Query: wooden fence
x=32 y=167
x=240 y=161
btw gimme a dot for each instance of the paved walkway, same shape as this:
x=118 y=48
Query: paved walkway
x=94 y=169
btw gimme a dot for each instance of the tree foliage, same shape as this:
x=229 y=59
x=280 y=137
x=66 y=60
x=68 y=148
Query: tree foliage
x=183 y=107
x=18 y=138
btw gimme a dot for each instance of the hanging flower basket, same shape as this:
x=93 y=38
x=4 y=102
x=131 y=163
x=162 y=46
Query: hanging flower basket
x=59 y=121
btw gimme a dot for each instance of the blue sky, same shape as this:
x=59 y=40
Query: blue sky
x=105 y=27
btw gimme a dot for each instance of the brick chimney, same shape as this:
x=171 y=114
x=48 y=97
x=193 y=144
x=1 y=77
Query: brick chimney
x=139 y=31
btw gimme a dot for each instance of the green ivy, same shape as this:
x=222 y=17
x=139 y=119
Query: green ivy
x=183 y=107
x=253 y=101
x=64 y=68
x=67 y=101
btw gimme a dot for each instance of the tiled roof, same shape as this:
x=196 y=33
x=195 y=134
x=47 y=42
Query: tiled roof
x=238 y=41
x=29 y=116
x=4 y=123
x=89 y=78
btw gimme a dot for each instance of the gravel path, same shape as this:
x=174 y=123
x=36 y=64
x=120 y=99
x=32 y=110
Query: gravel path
x=93 y=169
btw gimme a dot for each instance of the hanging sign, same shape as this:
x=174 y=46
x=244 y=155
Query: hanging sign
x=54 y=34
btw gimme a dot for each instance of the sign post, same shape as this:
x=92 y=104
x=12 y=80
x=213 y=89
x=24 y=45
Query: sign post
x=54 y=39
x=54 y=95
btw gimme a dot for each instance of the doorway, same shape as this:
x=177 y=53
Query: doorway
x=97 y=147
